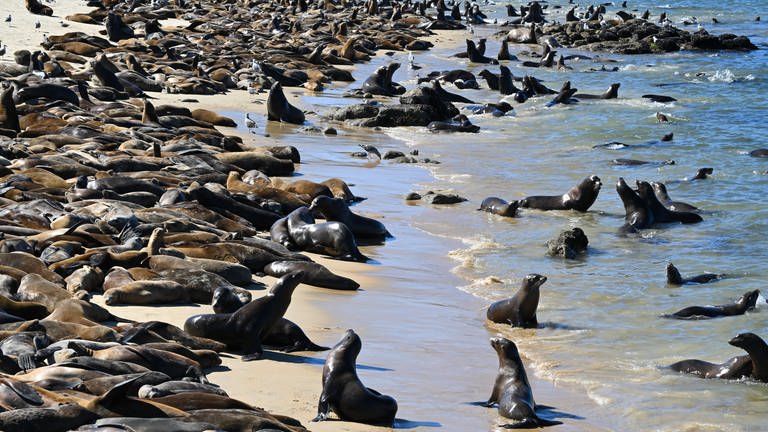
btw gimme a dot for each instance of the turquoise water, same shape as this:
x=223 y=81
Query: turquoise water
x=605 y=345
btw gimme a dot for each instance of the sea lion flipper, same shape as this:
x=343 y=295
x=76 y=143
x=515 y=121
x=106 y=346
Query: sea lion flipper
x=26 y=361
x=253 y=350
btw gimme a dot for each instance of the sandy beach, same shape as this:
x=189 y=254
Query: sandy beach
x=424 y=342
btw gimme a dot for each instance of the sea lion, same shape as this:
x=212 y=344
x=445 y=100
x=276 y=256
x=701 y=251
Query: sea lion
x=520 y=310
x=226 y=300
x=380 y=82
x=314 y=274
x=150 y=391
x=506 y=81
x=344 y=393
x=460 y=123
x=758 y=353
x=702 y=173
x=331 y=238
x=744 y=303
x=674 y=277
x=247 y=326
x=59 y=418
x=660 y=190
x=499 y=206
x=637 y=215
x=511 y=390
x=279 y=109
x=660 y=213
x=522 y=35
x=336 y=209
x=611 y=93
x=287 y=336
x=579 y=198
x=37 y=8
x=475 y=56
x=633 y=162
x=145 y=292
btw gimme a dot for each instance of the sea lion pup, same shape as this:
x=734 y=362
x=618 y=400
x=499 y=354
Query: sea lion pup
x=520 y=310
x=660 y=190
x=330 y=238
x=637 y=215
x=499 y=206
x=246 y=327
x=511 y=390
x=611 y=93
x=336 y=209
x=460 y=123
x=344 y=393
x=660 y=213
x=674 y=277
x=579 y=198
x=279 y=109
x=744 y=303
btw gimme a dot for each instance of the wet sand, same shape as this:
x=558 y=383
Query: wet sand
x=424 y=341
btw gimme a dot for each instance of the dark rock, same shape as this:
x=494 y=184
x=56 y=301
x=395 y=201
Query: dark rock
x=569 y=244
x=393 y=154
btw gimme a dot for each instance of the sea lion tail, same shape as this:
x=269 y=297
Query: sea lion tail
x=80 y=350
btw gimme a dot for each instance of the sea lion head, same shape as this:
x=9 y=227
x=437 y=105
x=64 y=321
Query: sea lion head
x=749 y=298
x=350 y=343
x=746 y=340
x=506 y=349
x=533 y=281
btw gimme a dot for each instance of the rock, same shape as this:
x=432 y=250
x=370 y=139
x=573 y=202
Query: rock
x=569 y=244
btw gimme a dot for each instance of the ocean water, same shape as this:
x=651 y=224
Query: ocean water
x=603 y=343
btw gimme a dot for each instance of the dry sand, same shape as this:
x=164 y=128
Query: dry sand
x=431 y=354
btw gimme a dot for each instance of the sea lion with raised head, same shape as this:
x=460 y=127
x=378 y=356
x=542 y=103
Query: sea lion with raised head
x=660 y=190
x=579 y=197
x=314 y=274
x=744 y=303
x=279 y=109
x=758 y=353
x=331 y=238
x=499 y=206
x=511 y=391
x=675 y=278
x=344 y=393
x=660 y=213
x=637 y=215
x=247 y=327
x=754 y=364
x=520 y=309
x=611 y=93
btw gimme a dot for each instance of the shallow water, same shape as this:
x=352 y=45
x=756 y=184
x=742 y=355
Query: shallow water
x=605 y=342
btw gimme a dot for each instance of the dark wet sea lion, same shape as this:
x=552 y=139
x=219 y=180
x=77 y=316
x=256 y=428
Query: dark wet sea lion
x=336 y=209
x=637 y=215
x=674 y=277
x=659 y=98
x=758 y=353
x=459 y=123
x=499 y=206
x=622 y=161
x=247 y=326
x=511 y=390
x=279 y=109
x=733 y=368
x=314 y=274
x=660 y=213
x=744 y=303
x=759 y=153
x=520 y=309
x=170 y=332
x=225 y=300
x=9 y=117
x=579 y=197
x=344 y=393
x=611 y=93
x=660 y=190
x=287 y=336
x=702 y=173
x=475 y=56
x=331 y=238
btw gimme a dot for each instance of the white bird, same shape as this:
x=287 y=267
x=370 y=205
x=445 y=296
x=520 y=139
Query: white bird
x=471 y=29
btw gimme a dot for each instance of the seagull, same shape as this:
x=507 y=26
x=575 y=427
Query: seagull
x=371 y=150
x=8 y=19
x=249 y=122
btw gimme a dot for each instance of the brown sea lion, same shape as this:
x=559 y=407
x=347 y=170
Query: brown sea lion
x=279 y=109
x=246 y=327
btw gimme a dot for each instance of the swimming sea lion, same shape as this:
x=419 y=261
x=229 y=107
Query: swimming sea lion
x=279 y=109
x=344 y=393
x=744 y=303
x=499 y=206
x=336 y=209
x=702 y=173
x=579 y=198
x=660 y=190
x=246 y=327
x=674 y=277
x=637 y=215
x=511 y=390
x=660 y=213
x=611 y=93
x=520 y=310
x=758 y=353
